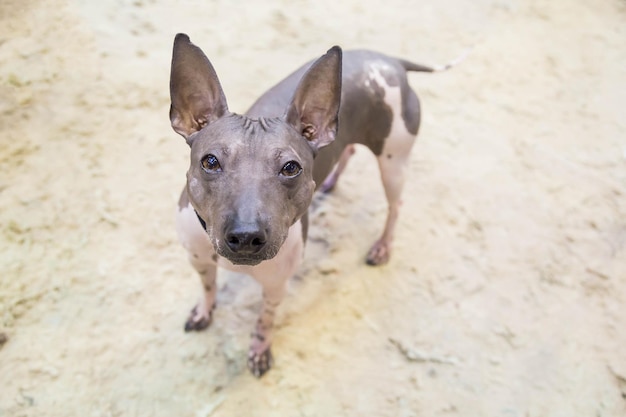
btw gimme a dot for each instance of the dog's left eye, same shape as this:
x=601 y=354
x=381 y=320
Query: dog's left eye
x=211 y=164
x=291 y=169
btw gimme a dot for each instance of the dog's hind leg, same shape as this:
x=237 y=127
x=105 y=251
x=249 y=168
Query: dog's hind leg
x=393 y=162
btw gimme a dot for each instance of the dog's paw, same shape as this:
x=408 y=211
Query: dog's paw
x=198 y=319
x=379 y=254
x=260 y=362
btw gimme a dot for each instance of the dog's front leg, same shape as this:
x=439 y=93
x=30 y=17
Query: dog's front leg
x=203 y=258
x=260 y=355
x=273 y=276
x=202 y=314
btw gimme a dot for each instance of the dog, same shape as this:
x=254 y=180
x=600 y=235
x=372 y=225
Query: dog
x=252 y=177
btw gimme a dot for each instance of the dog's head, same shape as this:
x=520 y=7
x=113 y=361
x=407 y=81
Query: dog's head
x=251 y=179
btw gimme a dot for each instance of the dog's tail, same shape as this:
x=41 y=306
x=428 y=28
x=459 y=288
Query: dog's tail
x=411 y=66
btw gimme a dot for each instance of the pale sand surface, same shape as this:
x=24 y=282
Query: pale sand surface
x=506 y=294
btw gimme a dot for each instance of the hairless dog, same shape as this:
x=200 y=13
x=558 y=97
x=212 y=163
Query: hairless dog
x=252 y=177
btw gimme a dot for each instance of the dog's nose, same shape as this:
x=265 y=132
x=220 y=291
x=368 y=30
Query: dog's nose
x=246 y=239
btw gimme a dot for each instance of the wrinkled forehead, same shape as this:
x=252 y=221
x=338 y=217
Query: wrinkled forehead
x=257 y=135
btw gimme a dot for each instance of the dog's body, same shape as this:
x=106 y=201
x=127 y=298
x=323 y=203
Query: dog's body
x=252 y=177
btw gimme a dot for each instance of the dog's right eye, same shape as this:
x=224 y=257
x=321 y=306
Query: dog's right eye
x=211 y=164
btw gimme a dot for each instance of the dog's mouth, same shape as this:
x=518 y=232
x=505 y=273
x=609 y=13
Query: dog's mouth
x=244 y=259
x=241 y=260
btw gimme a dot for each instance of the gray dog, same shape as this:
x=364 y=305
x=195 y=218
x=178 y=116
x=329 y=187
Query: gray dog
x=252 y=177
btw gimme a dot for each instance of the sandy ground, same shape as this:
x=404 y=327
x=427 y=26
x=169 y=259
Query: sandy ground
x=506 y=294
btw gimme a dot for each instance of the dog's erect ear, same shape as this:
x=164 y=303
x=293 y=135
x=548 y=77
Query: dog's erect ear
x=195 y=91
x=314 y=109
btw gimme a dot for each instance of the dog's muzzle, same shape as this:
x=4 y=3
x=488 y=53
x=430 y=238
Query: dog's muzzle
x=243 y=243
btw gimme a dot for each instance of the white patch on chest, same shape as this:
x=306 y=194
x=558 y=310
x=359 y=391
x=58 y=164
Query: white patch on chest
x=192 y=235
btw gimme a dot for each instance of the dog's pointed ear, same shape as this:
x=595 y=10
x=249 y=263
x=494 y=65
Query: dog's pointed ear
x=314 y=109
x=195 y=91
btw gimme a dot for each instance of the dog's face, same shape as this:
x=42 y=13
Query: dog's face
x=249 y=180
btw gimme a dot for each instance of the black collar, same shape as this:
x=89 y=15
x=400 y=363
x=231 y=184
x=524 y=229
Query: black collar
x=202 y=222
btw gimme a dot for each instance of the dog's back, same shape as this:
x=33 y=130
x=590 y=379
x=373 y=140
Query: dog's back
x=375 y=95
